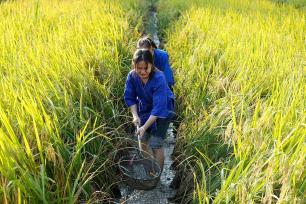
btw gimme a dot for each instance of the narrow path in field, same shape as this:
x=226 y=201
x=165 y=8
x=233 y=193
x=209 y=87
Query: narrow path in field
x=162 y=192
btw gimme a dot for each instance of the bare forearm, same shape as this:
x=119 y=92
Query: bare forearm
x=149 y=122
x=133 y=109
x=136 y=119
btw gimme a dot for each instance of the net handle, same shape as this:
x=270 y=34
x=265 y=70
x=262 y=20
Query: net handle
x=139 y=141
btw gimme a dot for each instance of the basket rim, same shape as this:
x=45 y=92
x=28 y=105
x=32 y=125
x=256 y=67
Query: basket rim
x=152 y=159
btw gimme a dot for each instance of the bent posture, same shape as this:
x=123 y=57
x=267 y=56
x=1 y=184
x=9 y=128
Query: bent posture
x=151 y=102
x=161 y=58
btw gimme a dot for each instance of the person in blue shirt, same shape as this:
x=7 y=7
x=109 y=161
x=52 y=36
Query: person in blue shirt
x=151 y=103
x=160 y=58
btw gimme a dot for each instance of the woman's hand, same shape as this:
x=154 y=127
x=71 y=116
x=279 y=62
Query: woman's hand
x=140 y=131
x=136 y=119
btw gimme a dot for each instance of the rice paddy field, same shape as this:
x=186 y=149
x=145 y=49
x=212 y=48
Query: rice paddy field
x=240 y=70
x=63 y=66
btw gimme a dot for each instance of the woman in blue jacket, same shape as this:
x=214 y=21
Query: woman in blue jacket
x=151 y=103
x=160 y=58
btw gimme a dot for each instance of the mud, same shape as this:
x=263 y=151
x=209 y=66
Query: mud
x=162 y=192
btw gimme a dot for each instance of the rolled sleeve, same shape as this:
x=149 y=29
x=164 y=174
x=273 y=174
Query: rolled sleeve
x=160 y=99
x=130 y=92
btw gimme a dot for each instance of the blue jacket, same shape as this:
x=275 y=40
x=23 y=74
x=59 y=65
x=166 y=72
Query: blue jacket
x=153 y=98
x=161 y=61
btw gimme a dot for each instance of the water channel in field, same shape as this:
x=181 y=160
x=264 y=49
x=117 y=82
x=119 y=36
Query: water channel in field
x=162 y=191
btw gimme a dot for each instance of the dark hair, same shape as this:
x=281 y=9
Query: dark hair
x=143 y=55
x=146 y=42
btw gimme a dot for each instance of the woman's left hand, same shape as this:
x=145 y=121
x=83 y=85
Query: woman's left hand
x=141 y=131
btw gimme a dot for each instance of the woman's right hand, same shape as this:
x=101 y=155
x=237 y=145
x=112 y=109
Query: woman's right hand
x=136 y=121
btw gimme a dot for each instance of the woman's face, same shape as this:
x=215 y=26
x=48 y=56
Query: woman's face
x=143 y=69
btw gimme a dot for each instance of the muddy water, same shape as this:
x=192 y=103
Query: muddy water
x=151 y=27
x=162 y=192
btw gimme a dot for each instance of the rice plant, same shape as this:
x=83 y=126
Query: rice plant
x=62 y=67
x=240 y=73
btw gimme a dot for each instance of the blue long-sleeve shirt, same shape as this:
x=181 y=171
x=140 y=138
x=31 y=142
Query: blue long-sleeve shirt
x=161 y=61
x=153 y=98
